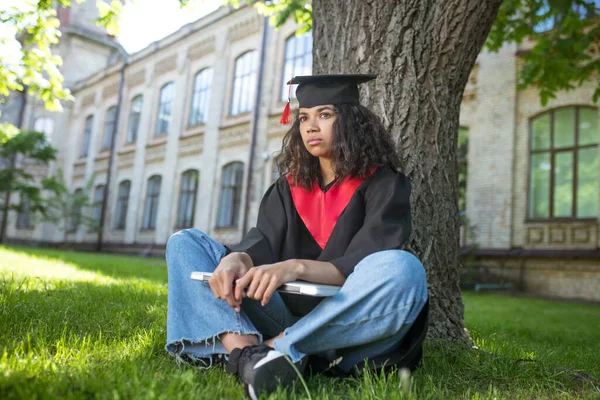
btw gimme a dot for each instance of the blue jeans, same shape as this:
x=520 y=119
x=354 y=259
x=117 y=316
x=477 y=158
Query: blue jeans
x=368 y=317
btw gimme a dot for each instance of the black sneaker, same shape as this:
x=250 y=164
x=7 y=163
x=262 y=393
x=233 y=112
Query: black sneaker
x=262 y=369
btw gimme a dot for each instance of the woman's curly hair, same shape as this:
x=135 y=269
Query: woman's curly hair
x=360 y=143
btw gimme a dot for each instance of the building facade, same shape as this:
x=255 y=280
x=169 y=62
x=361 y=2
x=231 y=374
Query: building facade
x=197 y=132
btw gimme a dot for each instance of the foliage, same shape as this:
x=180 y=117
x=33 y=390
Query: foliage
x=563 y=35
x=67 y=209
x=32 y=147
x=83 y=325
x=563 y=55
x=36 y=69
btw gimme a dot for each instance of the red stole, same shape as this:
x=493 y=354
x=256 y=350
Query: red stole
x=320 y=211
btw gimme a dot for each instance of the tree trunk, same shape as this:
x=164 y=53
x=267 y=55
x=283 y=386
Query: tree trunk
x=422 y=52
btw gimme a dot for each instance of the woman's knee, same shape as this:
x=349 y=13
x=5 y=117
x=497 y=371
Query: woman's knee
x=399 y=268
x=178 y=242
x=189 y=242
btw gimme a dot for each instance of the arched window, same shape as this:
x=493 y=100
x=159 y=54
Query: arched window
x=151 y=205
x=75 y=213
x=24 y=215
x=231 y=195
x=165 y=109
x=46 y=126
x=297 y=61
x=187 y=199
x=201 y=97
x=563 y=167
x=97 y=205
x=87 y=134
x=109 y=128
x=122 y=204
x=135 y=113
x=244 y=83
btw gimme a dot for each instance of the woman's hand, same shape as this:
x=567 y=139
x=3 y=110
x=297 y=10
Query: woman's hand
x=264 y=280
x=231 y=267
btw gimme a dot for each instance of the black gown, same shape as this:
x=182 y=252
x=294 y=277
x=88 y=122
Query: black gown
x=376 y=217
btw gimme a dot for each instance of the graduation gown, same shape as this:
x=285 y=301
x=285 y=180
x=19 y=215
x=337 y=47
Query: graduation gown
x=340 y=224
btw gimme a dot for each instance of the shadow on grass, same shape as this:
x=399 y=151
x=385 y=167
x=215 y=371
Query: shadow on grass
x=116 y=266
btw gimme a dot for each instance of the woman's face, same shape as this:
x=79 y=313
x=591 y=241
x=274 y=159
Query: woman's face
x=316 y=128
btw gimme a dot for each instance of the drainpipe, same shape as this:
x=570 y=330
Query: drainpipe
x=255 y=116
x=13 y=163
x=112 y=151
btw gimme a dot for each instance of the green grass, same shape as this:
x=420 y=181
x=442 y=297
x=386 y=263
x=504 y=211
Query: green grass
x=78 y=325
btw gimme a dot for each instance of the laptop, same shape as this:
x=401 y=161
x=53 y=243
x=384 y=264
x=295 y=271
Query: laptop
x=297 y=287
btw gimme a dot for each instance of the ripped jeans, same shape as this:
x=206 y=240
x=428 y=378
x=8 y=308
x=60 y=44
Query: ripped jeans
x=368 y=317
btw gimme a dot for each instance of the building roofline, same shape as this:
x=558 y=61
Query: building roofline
x=161 y=44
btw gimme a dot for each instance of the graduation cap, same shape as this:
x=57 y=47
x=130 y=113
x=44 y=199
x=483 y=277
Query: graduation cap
x=314 y=90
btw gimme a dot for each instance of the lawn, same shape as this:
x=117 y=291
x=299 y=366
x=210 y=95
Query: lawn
x=77 y=325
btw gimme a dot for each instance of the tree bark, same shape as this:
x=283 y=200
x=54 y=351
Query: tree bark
x=422 y=52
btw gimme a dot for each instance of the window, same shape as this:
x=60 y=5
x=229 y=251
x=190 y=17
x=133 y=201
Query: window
x=244 y=83
x=46 y=126
x=231 y=194
x=151 y=206
x=165 y=109
x=201 y=96
x=187 y=199
x=75 y=216
x=133 y=124
x=109 y=128
x=97 y=205
x=24 y=216
x=87 y=134
x=298 y=61
x=122 y=203
x=563 y=171
x=463 y=151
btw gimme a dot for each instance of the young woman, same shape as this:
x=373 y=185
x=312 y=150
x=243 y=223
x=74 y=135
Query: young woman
x=338 y=215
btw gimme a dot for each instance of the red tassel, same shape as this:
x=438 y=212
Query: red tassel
x=285 y=117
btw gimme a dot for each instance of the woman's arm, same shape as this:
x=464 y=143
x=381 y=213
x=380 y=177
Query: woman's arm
x=264 y=280
x=317 y=272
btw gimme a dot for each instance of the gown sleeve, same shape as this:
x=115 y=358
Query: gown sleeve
x=387 y=223
x=263 y=242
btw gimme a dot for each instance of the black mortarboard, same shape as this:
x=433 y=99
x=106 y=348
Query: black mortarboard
x=314 y=90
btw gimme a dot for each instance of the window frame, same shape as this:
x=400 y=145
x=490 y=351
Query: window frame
x=24 y=216
x=122 y=206
x=109 y=128
x=187 y=192
x=84 y=151
x=76 y=215
x=282 y=97
x=154 y=199
x=251 y=57
x=200 y=97
x=552 y=151
x=97 y=205
x=165 y=103
x=132 y=135
x=236 y=202
x=44 y=120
